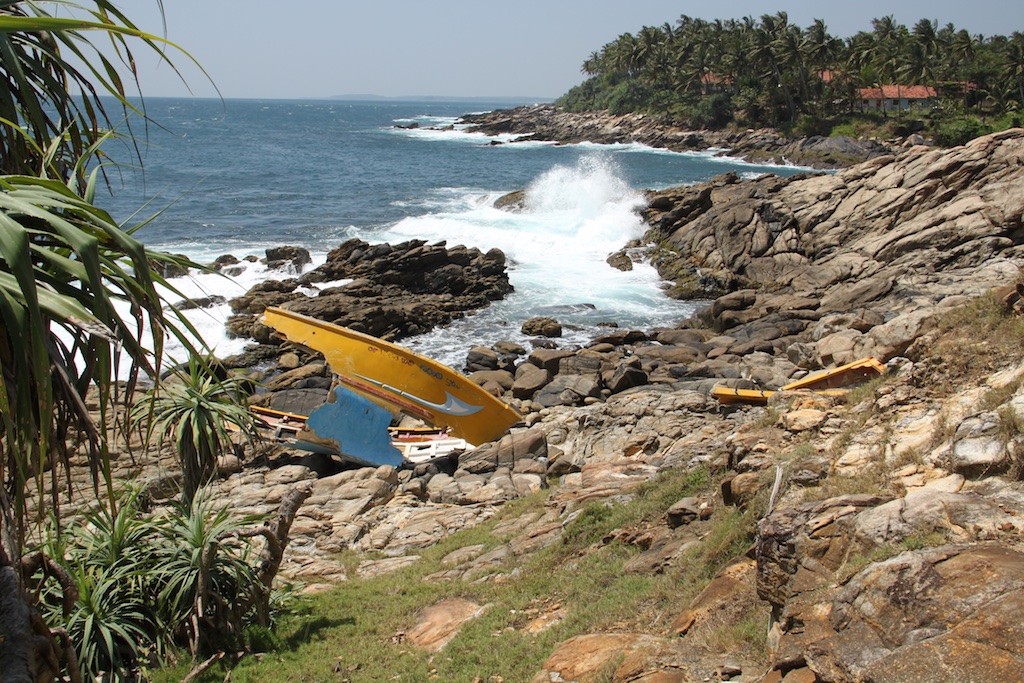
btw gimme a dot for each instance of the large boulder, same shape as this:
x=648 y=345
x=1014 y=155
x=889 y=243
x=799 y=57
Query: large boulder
x=542 y=327
x=506 y=452
x=938 y=614
x=568 y=390
x=394 y=291
x=287 y=258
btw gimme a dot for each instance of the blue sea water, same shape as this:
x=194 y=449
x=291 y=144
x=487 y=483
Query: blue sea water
x=238 y=176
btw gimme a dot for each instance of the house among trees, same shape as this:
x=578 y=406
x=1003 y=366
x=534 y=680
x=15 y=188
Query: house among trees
x=896 y=97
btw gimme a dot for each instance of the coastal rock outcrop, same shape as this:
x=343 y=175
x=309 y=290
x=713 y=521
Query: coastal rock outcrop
x=388 y=291
x=854 y=263
x=883 y=536
x=548 y=122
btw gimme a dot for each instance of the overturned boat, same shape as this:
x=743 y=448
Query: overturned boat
x=413 y=445
x=377 y=381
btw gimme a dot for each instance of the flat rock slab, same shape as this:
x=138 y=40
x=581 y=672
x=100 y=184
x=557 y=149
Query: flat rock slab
x=617 y=657
x=440 y=623
x=369 y=569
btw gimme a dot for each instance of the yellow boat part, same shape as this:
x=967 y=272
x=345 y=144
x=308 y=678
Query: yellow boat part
x=399 y=379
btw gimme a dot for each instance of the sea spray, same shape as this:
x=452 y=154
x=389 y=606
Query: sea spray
x=573 y=218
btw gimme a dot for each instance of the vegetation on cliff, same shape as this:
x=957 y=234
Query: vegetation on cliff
x=83 y=320
x=770 y=72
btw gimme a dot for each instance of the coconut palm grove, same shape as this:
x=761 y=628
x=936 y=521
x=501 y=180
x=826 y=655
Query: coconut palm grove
x=807 y=81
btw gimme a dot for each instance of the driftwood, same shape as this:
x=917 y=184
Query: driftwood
x=275 y=533
x=198 y=670
x=30 y=564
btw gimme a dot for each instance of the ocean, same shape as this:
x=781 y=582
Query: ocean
x=239 y=176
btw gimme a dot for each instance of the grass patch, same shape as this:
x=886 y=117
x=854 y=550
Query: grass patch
x=598 y=519
x=355 y=631
x=997 y=397
x=863 y=392
x=857 y=563
x=1010 y=422
x=747 y=635
x=871 y=479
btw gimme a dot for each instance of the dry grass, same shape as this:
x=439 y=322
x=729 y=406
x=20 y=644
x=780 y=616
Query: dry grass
x=974 y=341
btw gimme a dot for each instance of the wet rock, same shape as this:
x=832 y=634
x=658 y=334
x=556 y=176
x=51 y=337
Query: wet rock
x=542 y=327
x=291 y=259
x=200 y=302
x=394 y=290
x=620 y=260
x=481 y=358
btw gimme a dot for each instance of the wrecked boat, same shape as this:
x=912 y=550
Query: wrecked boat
x=830 y=382
x=376 y=381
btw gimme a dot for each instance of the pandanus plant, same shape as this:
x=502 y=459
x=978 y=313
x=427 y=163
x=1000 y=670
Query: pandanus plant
x=77 y=291
x=197 y=411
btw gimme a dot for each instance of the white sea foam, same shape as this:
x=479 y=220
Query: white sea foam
x=209 y=321
x=458 y=134
x=573 y=218
x=436 y=128
x=557 y=247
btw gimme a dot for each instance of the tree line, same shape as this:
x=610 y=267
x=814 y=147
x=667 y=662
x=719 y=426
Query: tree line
x=771 y=72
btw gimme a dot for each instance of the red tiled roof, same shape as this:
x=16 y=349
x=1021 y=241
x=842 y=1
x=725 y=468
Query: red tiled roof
x=714 y=79
x=892 y=92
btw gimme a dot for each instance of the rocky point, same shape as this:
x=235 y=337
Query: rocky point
x=889 y=544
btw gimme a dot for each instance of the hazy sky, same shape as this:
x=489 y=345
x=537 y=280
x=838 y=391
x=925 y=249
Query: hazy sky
x=534 y=48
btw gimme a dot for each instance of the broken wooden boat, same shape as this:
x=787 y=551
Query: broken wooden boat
x=374 y=373
x=413 y=445
x=831 y=382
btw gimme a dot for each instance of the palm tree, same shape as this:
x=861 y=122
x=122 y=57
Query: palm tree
x=963 y=49
x=770 y=47
x=77 y=292
x=1012 y=72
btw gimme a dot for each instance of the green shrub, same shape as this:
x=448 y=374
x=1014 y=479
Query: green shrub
x=113 y=622
x=808 y=125
x=960 y=131
x=713 y=111
x=195 y=411
x=133 y=587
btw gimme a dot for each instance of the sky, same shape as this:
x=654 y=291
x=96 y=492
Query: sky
x=527 y=48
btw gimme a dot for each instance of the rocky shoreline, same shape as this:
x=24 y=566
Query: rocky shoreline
x=804 y=272
x=893 y=549
x=548 y=122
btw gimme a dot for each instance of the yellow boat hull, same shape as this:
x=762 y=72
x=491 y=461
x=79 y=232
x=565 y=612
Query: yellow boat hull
x=825 y=382
x=728 y=396
x=399 y=379
x=851 y=373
